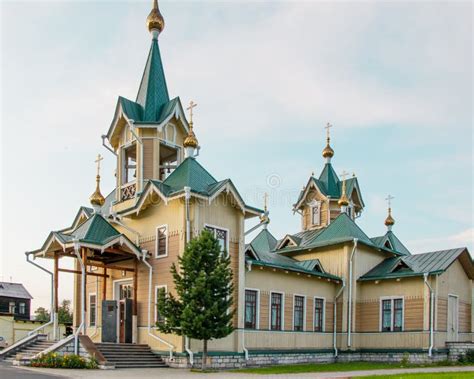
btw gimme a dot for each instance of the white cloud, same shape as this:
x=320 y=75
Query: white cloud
x=462 y=239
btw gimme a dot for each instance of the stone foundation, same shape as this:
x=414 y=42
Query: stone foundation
x=270 y=358
x=456 y=349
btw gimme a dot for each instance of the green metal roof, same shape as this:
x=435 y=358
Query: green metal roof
x=330 y=181
x=190 y=173
x=262 y=246
x=394 y=242
x=153 y=92
x=341 y=229
x=416 y=265
x=95 y=230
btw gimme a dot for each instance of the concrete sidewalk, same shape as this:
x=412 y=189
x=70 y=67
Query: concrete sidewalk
x=149 y=373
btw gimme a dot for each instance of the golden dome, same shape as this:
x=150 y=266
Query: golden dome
x=343 y=201
x=155 y=20
x=191 y=140
x=96 y=198
x=328 y=152
x=389 y=221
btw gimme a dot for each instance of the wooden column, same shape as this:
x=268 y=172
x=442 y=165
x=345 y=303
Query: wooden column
x=135 y=288
x=104 y=285
x=84 y=260
x=56 y=282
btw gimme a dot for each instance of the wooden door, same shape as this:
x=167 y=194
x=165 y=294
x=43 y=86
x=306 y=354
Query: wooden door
x=453 y=318
x=122 y=321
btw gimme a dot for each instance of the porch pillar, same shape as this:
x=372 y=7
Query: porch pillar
x=55 y=296
x=135 y=302
x=104 y=285
x=84 y=306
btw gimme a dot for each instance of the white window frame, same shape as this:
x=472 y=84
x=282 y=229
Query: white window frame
x=392 y=315
x=324 y=313
x=282 y=316
x=20 y=306
x=157 y=241
x=11 y=307
x=89 y=307
x=257 y=314
x=223 y=229
x=304 y=312
x=317 y=205
x=158 y=287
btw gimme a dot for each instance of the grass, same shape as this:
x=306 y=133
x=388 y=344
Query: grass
x=443 y=375
x=332 y=367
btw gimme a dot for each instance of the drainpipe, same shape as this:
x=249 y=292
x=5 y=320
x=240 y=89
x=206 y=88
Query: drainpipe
x=430 y=350
x=96 y=303
x=246 y=352
x=349 y=321
x=334 y=337
x=51 y=321
x=140 y=141
x=83 y=304
x=187 y=197
x=104 y=137
x=116 y=219
x=150 y=276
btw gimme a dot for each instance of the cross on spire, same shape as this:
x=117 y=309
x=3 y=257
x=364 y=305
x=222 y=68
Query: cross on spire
x=192 y=105
x=265 y=200
x=98 y=160
x=344 y=175
x=327 y=127
x=389 y=200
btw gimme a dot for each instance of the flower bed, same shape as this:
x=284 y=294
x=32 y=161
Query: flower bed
x=54 y=360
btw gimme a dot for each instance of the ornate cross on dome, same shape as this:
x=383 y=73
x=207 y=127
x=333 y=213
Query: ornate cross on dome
x=192 y=105
x=98 y=160
x=389 y=200
x=265 y=201
x=344 y=175
x=327 y=127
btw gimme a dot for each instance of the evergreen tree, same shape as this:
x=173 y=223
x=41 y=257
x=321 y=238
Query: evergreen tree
x=64 y=312
x=42 y=314
x=203 y=284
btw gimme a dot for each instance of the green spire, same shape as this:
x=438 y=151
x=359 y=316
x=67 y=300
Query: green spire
x=153 y=92
x=330 y=180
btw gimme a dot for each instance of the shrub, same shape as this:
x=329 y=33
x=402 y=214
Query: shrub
x=468 y=357
x=54 y=360
x=405 y=361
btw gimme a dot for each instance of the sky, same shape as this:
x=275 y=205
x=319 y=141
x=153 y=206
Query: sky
x=393 y=78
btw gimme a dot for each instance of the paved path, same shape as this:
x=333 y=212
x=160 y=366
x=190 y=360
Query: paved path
x=9 y=372
x=149 y=373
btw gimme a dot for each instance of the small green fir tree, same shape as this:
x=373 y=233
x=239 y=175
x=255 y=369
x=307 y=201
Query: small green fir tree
x=203 y=284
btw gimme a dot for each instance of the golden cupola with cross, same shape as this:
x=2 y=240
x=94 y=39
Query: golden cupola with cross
x=326 y=196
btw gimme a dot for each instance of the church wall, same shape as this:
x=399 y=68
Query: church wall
x=307 y=216
x=333 y=258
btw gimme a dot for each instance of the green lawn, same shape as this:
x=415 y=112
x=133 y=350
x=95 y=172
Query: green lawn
x=443 y=375
x=330 y=367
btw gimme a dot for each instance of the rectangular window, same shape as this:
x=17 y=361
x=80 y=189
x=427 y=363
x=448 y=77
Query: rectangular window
x=126 y=291
x=392 y=315
x=158 y=316
x=276 y=311
x=92 y=309
x=298 y=313
x=161 y=241
x=11 y=307
x=251 y=309
x=316 y=214
x=318 y=314
x=221 y=235
x=22 y=308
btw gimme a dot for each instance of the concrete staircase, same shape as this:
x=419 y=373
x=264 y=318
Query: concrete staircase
x=127 y=355
x=29 y=349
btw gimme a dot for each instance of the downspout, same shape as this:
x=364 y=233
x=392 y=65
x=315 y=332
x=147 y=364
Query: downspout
x=349 y=321
x=96 y=302
x=334 y=337
x=187 y=197
x=51 y=321
x=83 y=304
x=140 y=141
x=430 y=350
x=150 y=276
x=246 y=352
x=104 y=137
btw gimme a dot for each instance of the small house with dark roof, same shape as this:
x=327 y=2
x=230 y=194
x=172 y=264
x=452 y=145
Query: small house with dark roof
x=15 y=300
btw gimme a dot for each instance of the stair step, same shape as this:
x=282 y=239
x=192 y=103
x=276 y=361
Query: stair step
x=139 y=365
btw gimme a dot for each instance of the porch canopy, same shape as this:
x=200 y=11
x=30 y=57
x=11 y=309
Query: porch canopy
x=94 y=242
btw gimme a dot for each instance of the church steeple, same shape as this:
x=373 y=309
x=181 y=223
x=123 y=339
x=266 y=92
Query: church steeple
x=153 y=92
x=328 y=152
x=389 y=221
x=97 y=199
